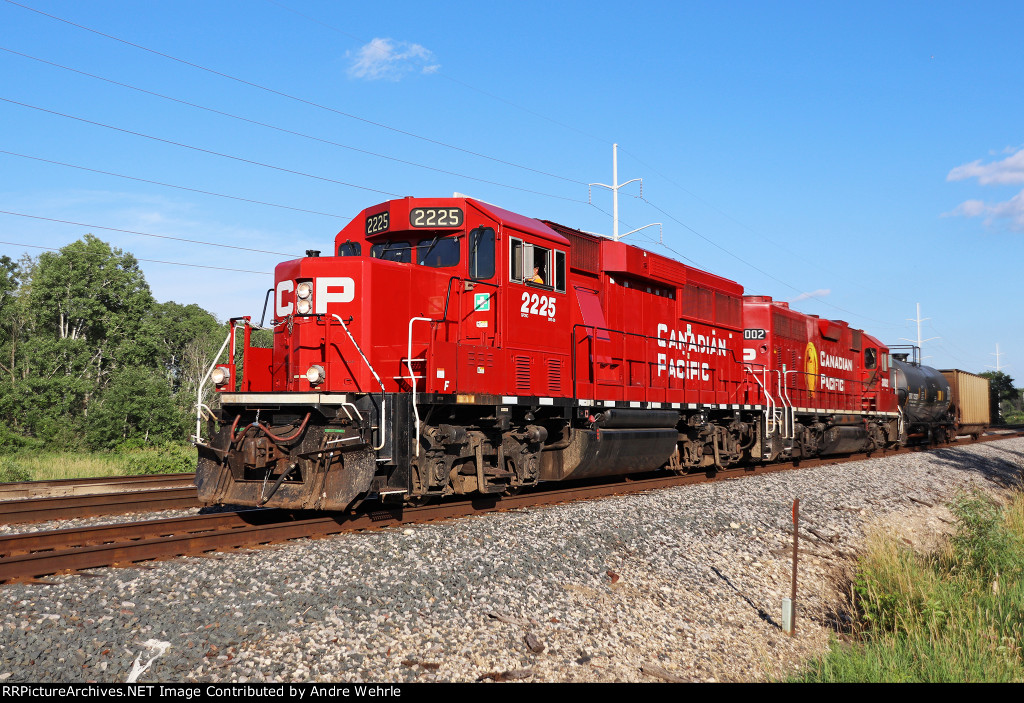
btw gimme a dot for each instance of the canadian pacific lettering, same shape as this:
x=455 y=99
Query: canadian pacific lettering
x=689 y=344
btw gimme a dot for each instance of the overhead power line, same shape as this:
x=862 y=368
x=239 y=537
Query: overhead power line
x=147 y=234
x=753 y=231
x=285 y=130
x=200 y=149
x=154 y=261
x=171 y=185
x=296 y=98
x=756 y=268
x=371 y=122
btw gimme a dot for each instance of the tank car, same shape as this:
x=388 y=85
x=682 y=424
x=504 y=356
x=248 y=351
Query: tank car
x=925 y=399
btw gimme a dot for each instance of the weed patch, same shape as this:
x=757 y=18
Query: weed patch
x=952 y=615
x=47 y=466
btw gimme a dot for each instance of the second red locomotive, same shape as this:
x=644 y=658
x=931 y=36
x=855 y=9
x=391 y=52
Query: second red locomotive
x=450 y=346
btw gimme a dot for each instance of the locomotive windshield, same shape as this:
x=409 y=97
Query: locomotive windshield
x=438 y=252
x=392 y=251
x=349 y=248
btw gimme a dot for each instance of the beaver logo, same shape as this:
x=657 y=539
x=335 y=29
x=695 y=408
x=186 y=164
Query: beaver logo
x=811 y=368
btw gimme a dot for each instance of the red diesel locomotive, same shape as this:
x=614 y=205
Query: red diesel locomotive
x=448 y=346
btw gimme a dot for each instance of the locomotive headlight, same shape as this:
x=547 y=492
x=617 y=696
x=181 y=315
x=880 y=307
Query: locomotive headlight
x=315 y=374
x=221 y=375
x=304 y=290
x=303 y=306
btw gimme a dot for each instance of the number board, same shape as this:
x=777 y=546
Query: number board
x=377 y=223
x=435 y=217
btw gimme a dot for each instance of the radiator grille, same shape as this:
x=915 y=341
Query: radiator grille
x=555 y=376
x=522 y=370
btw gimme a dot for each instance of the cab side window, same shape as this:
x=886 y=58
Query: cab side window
x=481 y=253
x=515 y=260
x=536 y=265
x=870 y=358
x=559 y=273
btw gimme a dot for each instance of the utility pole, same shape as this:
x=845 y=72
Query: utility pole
x=998 y=367
x=920 y=341
x=614 y=188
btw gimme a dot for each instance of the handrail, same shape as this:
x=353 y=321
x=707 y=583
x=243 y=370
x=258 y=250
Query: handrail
x=266 y=299
x=769 y=416
x=782 y=403
x=448 y=293
x=383 y=392
x=792 y=409
x=412 y=376
x=199 y=391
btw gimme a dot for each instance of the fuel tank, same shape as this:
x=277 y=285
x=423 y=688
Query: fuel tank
x=923 y=392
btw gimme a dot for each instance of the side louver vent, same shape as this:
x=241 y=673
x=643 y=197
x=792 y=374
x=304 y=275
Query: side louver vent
x=555 y=376
x=522 y=370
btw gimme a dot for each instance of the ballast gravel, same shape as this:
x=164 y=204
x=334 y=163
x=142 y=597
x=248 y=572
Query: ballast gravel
x=683 y=584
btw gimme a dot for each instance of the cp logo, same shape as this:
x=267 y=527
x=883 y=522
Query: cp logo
x=326 y=289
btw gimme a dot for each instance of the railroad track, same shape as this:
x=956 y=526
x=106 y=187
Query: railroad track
x=27 y=557
x=1003 y=430
x=89 y=486
x=44 y=509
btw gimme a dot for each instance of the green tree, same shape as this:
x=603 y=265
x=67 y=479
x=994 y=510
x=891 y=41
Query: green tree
x=180 y=341
x=1000 y=388
x=88 y=358
x=88 y=300
x=13 y=320
x=138 y=406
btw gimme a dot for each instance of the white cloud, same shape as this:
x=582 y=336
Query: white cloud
x=820 y=293
x=387 y=59
x=1007 y=171
x=1012 y=210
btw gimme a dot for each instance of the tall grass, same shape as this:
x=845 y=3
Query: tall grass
x=27 y=465
x=955 y=615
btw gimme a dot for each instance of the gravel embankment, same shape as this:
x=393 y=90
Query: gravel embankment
x=681 y=584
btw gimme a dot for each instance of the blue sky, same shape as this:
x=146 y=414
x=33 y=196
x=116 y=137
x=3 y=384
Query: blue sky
x=855 y=158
